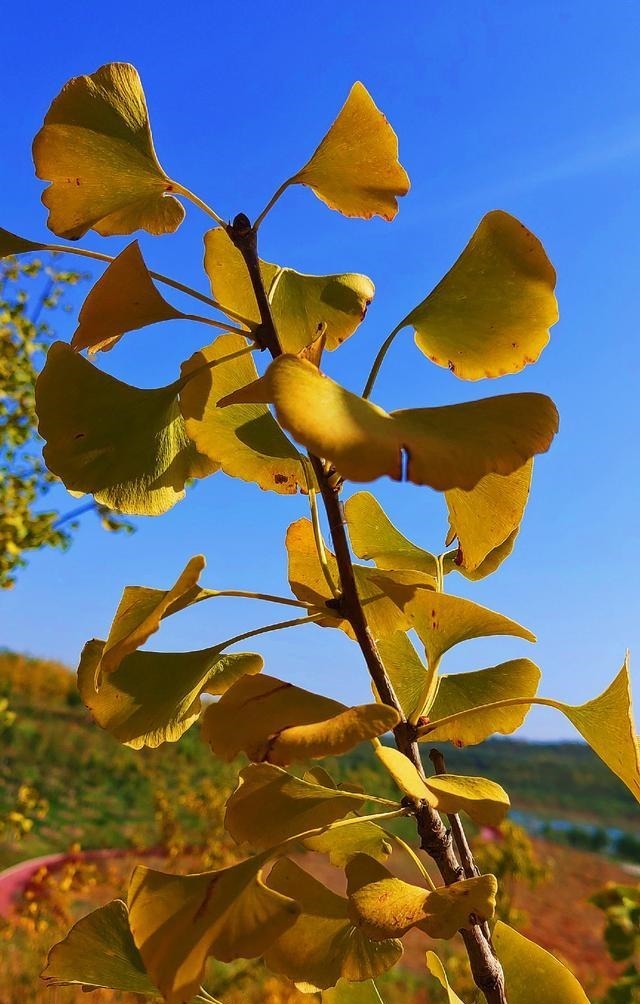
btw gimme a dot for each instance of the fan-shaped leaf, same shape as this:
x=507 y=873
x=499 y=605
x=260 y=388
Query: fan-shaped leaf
x=387 y=907
x=352 y=993
x=244 y=440
x=405 y=670
x=99 y=951
x=11 y=244
x=178 y=921
x=356 y=169
x=126 y=446
x=278 y=723
x=95 y=148
x=323 y=945
x=123 y=299
x=374 y=537
x=345 y=842
x=436 y=969
x=532 y=975
x=491 y=313
x=454 y=446
x=154 y=697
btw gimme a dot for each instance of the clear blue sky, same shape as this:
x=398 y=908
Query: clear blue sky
x=530 y=107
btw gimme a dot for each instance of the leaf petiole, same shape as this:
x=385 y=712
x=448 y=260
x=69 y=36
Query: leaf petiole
x=271 y=203
x=280 y=625
x=379 y=359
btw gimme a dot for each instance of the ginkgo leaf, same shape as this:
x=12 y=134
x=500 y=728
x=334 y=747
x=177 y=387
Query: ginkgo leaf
x=11 y=244
x=323 y=945
x=403 y=772
x=436 y=969
x=123 y=299
x=244 y=440
x=302 y=305
x=352 y=993
x=405 y=669
x=308 y=583
x=356 y=169
x=387 y=907
x=469 y=703
x=99 y=951
x=178 y=921
x=491 y=313
x=95 y=148
x=485 y=517
x=278 y=723
x=343 y=843
x=270 y=806
x=126 y=446
x=154 y=697
x=453 y=446
x=487 y=567
x=141 y=610
x=532 y=975
x=374 y=537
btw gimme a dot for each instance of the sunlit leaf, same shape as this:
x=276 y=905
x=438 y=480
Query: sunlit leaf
x=491 y=313
x=126 y=446
x=356 y=169
x=342 y=844
x=485 y=517
x=269 y=806
x=324 y=944
x=469 y=699
x=387 y=907
x=244 y=440
x=405 y=670
x=532 y=975
x=123 y=299
x=178 y=921
x=95 y=148
x=436 y=969
x=13 y=244
x=141 y=610
x=453 y=446
x=301 y=305
x=352 y=993
x=403 y=772
x=278 y=723
x=99 y=951
x=154 y=697
x=374 y=537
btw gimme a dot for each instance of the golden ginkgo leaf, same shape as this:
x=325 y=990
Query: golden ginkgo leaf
x=99 y=951
x=279 y=723
x=532 y=975
x=356 y=168
x=453 y=446
x=154 y=697
x=244 y=440
x=484 y=518
x=126 y=446
x=141 y=610
x=323 y=945
x=405 y=669
x=387 y=907
x=302 y=305
x=436 y=969
x=11 y=244
x=374 y=537
x=352 y=993
x=95 y=148
x=123 y=299
x=491 y=313
x=343 y=843
x=178 y=921
x=270 y=806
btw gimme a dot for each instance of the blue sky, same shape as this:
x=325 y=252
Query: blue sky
x=529 y=107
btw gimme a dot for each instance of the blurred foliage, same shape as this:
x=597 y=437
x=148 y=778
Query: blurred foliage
x=621 y=907
x=509 y=854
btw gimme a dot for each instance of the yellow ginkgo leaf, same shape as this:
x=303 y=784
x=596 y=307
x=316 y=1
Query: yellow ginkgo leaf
x=141 y=610
x=405 y=669
x=343 y=843
x=11 y=244
x=302 y=305
x=470 y=705
x=99 y=951
x=387 y=907
x=403 y=772
x=323 y=945
x=532 y=975
x=178 y=921
x=123 y=299
x=352 y=993
x=356 y=169
x=270 y=806
x=491 y=313
x=154 y=697
x=278 y=723
x=453 y=446
x=485 y=517
x=126 y=446
x=95 y=148
x=436 y=969
x=244 y=440
x=374 y=537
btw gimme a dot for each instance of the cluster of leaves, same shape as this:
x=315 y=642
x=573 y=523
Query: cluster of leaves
x=136 y=450
x=621 y=907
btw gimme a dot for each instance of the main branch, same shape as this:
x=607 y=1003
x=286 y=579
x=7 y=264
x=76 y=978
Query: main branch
x=435 y=838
